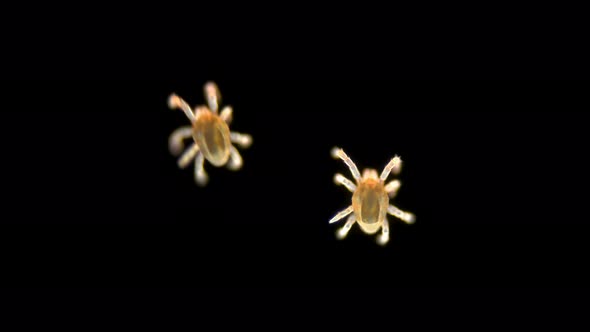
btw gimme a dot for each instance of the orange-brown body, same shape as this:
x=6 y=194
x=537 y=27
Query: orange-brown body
x=213 y=140
x=369 y=203
x=213 y=137
x=370 y=198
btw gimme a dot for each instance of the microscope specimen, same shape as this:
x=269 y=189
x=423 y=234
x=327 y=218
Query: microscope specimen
x=370 y=198
x=211 y=138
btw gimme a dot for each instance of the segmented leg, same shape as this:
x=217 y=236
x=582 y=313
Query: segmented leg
x=176 y=140
x=342 y=232
x=340 y=179
x=235 y=160
x=341 y=214
x=243 y=140
x=213 y=96
x=201 y=176
x=188 y=155
x=226 y=114
x=394 y=164
x=175 y=102
x=384 y=237
x=339 y=153
x=392 y=187
x=407 y=217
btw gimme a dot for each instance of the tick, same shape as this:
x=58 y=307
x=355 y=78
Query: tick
x=209 y=130
x=370 y=198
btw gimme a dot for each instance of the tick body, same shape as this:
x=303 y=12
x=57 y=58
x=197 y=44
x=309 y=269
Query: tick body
x=212 y=135
x=369 y=203
x=212 y=139
x=370 y=199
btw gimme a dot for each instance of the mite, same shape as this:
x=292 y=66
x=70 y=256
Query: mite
x=212 y=139
x=370 y=199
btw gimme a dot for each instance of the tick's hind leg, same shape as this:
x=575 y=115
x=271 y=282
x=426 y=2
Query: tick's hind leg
x=188 y=155
x=176 y=140
x=243 y=140
x=235 y=160
x=407 y=217
x=341 y=214
x=201 y=176
x=392 y=187
x=384 y=237
x=342 y=232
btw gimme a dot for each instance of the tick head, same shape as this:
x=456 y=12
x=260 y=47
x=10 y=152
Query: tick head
x=369 y=173
x=201 y=111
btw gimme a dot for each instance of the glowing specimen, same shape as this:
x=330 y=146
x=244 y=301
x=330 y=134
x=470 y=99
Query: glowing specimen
x=370 y=198
x=212 y=139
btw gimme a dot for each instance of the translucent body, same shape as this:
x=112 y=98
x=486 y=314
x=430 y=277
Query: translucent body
x=370 y=199
x=369 y=203
x=212 y=139
x=212 y=136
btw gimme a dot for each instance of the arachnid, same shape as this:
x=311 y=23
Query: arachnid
x=370 y=198
x=212 y=139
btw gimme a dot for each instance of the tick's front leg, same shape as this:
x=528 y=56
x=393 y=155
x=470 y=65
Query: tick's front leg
x=392 y=187
x=393 y=166
x=213 y=96
x=226 y=114
x=175 y=102
x=339 y=153
x=340 y=179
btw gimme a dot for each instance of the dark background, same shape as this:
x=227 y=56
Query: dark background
x=493 y=170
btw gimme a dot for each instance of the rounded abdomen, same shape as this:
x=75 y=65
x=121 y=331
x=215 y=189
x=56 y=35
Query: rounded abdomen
x=212 y=136
x=369 y=203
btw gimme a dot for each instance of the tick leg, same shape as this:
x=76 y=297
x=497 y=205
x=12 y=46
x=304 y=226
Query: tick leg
x=226 y=114
x=175 y=143
x=175 y=102
x=213 y=96
x=407 y=217
x=342 y=232
x=341 y=214
x=394 y=165
x=243 y=140
x=235 y=160
x=201 y=176
x=339 y=153
x=392 y=187
x=384 y=238
x=340 y=179
x=188 y=155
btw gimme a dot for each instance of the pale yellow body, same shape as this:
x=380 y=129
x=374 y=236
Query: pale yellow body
x=212 y=139
x=212 y=136
x=370 y=199
x=369 y=203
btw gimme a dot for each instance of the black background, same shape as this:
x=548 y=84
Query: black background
x=493 y=171
x=94 y=207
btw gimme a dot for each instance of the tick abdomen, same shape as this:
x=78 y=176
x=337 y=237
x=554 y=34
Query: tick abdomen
x=369 y=202
x=212 y=136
